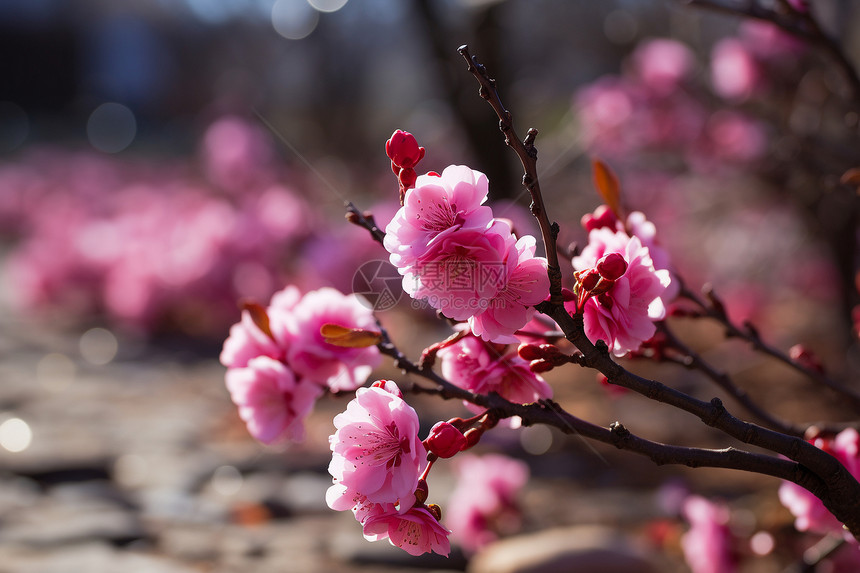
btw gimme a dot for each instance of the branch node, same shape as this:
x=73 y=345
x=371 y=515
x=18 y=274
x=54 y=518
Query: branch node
x=718 y=412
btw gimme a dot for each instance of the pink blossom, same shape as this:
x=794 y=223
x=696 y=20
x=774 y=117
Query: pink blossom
x=707 y=545
x=483 y=504
x=271 y=400
x=470 y=364
x=416 y=531
x=624 y=316
x=341 y=369
x=809 y=512
x=734 y=72
x=376 y=451
x=247 y=341
x=524 y=284
x=662 y=64
x=234 y=152
x=461 y=271
x=438 y=205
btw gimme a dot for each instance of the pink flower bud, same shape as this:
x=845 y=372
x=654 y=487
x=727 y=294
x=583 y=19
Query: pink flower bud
x=403 y=149
x=612 y=266
x=444 y=440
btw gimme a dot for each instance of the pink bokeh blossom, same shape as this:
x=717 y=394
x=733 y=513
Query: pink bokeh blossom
x=376 y=451
x=735 y=74
x=707 y=545
x=623 y=317
x=662 y=64
x=272 y=402
x=483 y=505
x=809 y=511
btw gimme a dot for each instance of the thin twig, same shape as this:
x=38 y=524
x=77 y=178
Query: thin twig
x=693 y=361
x=714 y=309
x=365 y=220
x=527 y=152
x=801 y=24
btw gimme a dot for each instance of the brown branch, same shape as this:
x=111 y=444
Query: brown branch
x=550 y=413
x=803 y=25
x=693 y=361
x=840 y=490
x=364 y=220
x=527 y=152
x=714 y=309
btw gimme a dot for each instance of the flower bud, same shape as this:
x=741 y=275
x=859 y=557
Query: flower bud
x=529 y=352
x=589 y=279
x=612 y=266
x=422 y=491
x=403 y=149
x=445 y=440
x=803 y=356
x=407 y=178
x=389 y=386
x=541 y=365
x=435 y=511
x=602 y=217
x=473 y=436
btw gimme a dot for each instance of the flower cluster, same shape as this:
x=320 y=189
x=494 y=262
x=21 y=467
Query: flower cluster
x=467 y=264
x=809 y=512
x=619 y=291
x=482 y=367
x=377 y=466
x=279 y=363
x=483 y=505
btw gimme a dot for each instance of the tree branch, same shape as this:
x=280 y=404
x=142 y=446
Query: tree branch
x=527 y=152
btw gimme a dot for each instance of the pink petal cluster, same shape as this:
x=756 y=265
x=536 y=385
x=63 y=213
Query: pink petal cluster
x=377 y=461
x=624 y=316
x=482 y=367
x=150 y=245
x=276 y=371
x=455 y=255
x=809 y=512
x=483 y=505
x=652 y=107
x=707 y=545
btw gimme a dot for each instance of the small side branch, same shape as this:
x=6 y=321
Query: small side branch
x=527 y=153
x=364 y=220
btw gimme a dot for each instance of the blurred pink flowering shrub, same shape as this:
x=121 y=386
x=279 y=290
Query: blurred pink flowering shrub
x=152 y=245
x=484 y=504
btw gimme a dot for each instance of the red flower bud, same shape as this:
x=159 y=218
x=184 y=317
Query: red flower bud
x=612 y=266
x=407 y=178
x=473 y=436
x=403 y=149
x=529 y=352
x=589 y=279
x=445 y=440
x=805 y=357
x=540 y=365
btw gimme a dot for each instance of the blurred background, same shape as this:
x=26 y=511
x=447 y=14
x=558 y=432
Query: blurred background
x=162 y=159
